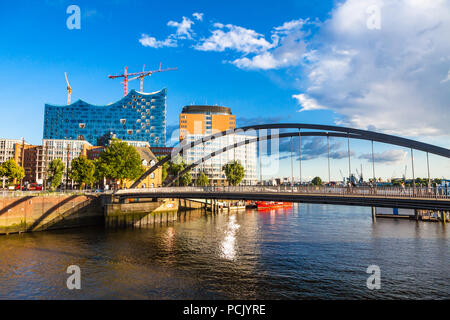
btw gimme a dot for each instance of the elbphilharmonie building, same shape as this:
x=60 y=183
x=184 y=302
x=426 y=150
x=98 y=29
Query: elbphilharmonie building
x=137 y=116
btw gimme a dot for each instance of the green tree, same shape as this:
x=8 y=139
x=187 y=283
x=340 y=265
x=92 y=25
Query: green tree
x=100 y=170
x=2 y=171
x=202 y=180
x=82 y=171
x=316 y=181
x=55 y=173
x=11 y=170
x=121 y=161
x=175 y=168
x=234 y=171
x=186 y=179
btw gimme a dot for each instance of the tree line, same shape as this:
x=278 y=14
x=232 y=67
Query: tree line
x=118 y=162
x=234 y=173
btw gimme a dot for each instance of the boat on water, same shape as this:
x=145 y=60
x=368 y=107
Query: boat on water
x=263 y=205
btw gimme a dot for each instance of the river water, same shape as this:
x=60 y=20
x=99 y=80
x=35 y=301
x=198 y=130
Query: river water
x=309 y=251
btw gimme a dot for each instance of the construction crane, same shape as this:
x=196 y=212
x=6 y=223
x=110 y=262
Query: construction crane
x=136 y=75
x=343 y=179
x=360 y=174
x=144 y=74
x=69 y=89
x=125 y=75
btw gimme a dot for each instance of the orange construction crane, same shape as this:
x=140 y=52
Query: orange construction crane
x=144 y=74
x=137 y=75
x=69 y=89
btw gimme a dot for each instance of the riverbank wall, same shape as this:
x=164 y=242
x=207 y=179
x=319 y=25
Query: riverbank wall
x=134 y=213
x=37 y=213
x=30 y=213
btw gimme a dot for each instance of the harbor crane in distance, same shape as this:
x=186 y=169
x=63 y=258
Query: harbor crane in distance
x=144 y=74
x=343 y=179
x=69 y=89
x=136 y=75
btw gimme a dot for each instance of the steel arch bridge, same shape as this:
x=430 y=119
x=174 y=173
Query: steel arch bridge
x=325 y=131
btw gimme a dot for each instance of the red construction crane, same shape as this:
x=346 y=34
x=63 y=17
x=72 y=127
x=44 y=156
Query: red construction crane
x=144 y=74
x=137 y=75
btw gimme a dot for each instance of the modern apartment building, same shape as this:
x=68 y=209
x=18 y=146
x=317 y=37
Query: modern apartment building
x=198 y=121
x=138 y=116
x=8 y=148
x=51 y=149
x=205 y=120
x=25 y=155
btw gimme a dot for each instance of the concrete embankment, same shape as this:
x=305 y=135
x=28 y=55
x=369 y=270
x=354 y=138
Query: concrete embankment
x=140 y=213
x=30 y=213
x=37 y=213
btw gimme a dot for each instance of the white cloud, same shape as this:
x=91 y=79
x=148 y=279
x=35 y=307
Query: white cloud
x=388 y=78
x=290 y=25
x=234 y=38
x=183 y=31
x=306 y=103
x=198 y=16
x=286 y=48
x=388 y=156
x=148 y=41
x=447 y=78
x=263 y=61
x=184 y=28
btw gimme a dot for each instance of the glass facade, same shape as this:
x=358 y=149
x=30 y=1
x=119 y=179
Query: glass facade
x=137 y=116
x=245 y=154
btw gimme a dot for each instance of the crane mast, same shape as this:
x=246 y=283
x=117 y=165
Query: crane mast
x=69 y=89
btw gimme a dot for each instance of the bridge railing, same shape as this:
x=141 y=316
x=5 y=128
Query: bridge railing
x=388 y=191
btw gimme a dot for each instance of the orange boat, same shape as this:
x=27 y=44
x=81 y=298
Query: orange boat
x=261 y=205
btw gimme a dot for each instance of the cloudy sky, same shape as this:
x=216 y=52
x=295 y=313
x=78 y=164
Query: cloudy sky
x=381 y=65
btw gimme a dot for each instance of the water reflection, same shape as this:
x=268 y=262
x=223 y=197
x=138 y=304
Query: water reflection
x=228 y=245
x=321 y=253
x=169 y=238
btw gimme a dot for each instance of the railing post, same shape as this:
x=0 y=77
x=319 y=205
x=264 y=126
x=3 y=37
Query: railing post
x=349 y=163
x=413 y=177
x=328 y=144
x=292 y=169
x=300 y=154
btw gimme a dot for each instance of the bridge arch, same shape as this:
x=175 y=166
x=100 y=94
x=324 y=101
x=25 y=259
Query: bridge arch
x=334 y=131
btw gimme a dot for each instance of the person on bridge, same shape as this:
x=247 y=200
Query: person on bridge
x=402 y=190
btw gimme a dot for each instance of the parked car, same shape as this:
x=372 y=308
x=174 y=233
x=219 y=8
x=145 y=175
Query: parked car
x=18 y=187
x=34 y=187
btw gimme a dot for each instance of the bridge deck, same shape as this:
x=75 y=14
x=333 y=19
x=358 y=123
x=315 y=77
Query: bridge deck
x=377 y=200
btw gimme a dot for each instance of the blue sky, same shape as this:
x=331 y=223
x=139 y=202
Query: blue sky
x=266 y=60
